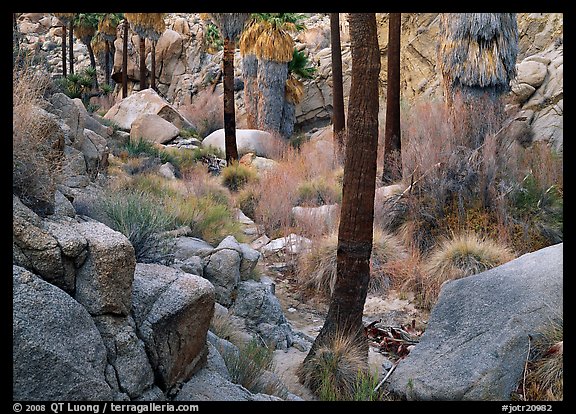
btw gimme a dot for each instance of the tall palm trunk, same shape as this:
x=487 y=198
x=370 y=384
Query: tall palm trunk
x=107 y=62
x=88 y=43
x=357 y=211
x=153 y=59
x=125 y=61
x=71 y=47
x=142 y=63
x=64 y=69
x=392 y=168
x=250 y=73
x=338 y=117
x=271 y=80
x=229 y=109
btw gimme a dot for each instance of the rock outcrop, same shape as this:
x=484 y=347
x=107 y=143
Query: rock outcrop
x=172 y=311
x=476 y=341
x=58 y=353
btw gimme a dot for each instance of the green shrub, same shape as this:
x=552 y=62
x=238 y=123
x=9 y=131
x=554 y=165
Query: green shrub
x=140 y=218
x=189 y=133
x=236 y=175
x=208 y=219
x=247 y=366
x=317 y=192
x=247 y=200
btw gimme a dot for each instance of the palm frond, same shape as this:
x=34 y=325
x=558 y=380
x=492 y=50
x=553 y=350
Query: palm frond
x=478 y=49
x=273 y=44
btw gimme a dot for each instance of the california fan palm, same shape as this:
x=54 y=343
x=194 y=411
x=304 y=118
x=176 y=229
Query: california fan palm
x=85 y=26
x=477 y=57
x=147 y=26
x=230 y=26
x=273 y=48
x=66 y=19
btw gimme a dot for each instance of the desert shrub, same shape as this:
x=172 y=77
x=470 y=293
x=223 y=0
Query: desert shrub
x=465 y=181
x=37 y=142
x=201 y=183
x=545 y=370
x=277 y=190
x=247 y=199
x=333 y=372
x=142 y=147
x=236 y=175
x=140 y=218
x=152 y=184
x=460 y=256
x=205 y=112
x=207 y=218
x=317 y=192
x=316 y=268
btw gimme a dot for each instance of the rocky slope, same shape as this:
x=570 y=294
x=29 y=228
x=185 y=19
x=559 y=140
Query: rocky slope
x=185 y=69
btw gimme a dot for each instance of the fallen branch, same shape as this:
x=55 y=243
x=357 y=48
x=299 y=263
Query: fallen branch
x=386 y=377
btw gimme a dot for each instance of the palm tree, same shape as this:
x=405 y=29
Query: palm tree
x=298 y=70
x=65 y=18
x=250 y=69
x=125 y=58
x=107 y=27
x=477 y=57
x=392 y=168
x=85 y=26
x=230 y=26
x=338 y=117
x=148 y=26
x=357 y=211
x=274 y=50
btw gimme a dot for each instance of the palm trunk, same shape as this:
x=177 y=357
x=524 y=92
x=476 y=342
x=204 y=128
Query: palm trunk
x=71 y=47
x=392 y=168
x=288 y=119
x=142 y=63
x=153 y=59
x=125 y=61
x=271 y=89
x=357 y=212
x=107 y=62
x=64 y=69
x=250 y=73
x=229 y=110
x=338 y=117
x=92 y=63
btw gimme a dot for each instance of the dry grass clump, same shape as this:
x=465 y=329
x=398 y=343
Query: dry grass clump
x=545 y=371
x=463 y=255
x=227 y=327
x=316 y=269
x=318 y=191
x=37 y=142
x=332 y=373
x=205 y=112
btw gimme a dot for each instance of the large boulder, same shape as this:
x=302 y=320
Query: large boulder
x=324 y=218
x=168 y=52
x=125 y=112
x=262 y=313
x=247 y=140
x=172 y=311
x=222 y=268
x=35 y=248
x=57 y=352
x=104 y=281
x=477 y=338
x=152 y=128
